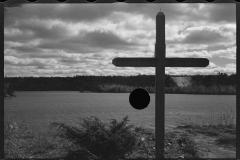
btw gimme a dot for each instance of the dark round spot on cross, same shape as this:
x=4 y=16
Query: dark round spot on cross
x=139 y=98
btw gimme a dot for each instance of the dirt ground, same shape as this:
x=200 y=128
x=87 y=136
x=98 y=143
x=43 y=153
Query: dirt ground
x=206 y=144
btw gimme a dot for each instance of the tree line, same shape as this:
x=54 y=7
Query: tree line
x=80 y=83
x=200 y=83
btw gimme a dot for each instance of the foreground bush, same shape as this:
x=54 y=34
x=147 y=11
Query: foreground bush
x=95 y=139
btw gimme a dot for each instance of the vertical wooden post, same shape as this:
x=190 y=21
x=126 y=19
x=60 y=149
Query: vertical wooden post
x=160 y=85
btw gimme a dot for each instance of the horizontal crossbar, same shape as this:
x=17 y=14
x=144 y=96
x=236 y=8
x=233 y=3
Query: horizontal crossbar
x=169 y=62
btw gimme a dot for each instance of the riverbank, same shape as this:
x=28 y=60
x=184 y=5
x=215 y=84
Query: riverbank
x=185 y=141
x=192 y=89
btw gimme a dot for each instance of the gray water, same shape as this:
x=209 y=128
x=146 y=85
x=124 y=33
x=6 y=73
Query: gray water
x=39 y=109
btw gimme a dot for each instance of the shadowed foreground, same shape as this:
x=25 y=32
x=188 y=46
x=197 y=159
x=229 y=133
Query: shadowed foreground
x=93 y=138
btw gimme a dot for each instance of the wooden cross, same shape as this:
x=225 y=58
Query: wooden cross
x=160 y=62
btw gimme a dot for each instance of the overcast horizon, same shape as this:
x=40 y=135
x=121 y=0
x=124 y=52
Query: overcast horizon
x=82 y=39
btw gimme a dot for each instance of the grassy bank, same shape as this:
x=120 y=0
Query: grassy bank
x=195 y=89
x=200 y=89
x=92 y=138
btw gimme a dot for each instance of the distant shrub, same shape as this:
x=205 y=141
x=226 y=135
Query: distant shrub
x=98 y=139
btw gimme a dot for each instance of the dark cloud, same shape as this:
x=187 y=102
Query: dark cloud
x=188 y=50
x=69 y=61
x=222 y=12
x=34 y=52
x=22 y=37
x=91 y=12
x=211 y=13
x=56 y=32
x=67 y=46
x=7 y=62
x=208 y=48
x=202 y=37
x=73 y=61
x=28 y=28
x=21 y=62
x=218 y=47
x=188 y=12
x=91 y=42
x=106 y=40
x=65 y=12
x=26 y=49
x=42 y=30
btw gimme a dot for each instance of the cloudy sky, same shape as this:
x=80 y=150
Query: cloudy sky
x=82 y=39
